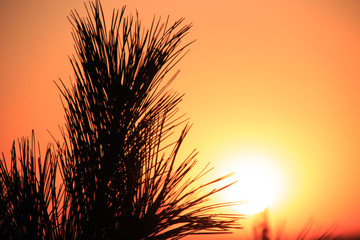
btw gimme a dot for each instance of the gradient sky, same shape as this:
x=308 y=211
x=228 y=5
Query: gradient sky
x=277 y=77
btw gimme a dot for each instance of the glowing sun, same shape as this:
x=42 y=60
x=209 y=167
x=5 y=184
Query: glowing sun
x=258 y=183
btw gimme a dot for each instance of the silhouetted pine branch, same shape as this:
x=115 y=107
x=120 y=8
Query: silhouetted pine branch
x=120 y=176
x=30 y=201
x=119 y=115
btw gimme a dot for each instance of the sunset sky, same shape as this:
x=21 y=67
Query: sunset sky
x=273 y=82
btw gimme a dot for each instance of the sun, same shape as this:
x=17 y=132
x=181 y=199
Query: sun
x=258 y=184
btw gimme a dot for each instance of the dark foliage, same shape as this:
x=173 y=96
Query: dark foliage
x=30 y=201
x=119 y=166
x=121 y=182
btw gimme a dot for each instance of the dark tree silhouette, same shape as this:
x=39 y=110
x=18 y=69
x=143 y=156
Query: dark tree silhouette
x=30 y=201
x=120 y=173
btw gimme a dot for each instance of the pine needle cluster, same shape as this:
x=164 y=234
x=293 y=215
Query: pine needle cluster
x=115 y=174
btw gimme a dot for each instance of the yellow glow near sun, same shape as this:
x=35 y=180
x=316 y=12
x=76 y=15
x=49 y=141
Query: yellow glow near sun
x=259 y=182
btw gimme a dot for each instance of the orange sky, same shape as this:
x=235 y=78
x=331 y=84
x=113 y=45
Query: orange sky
x=269 y=76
